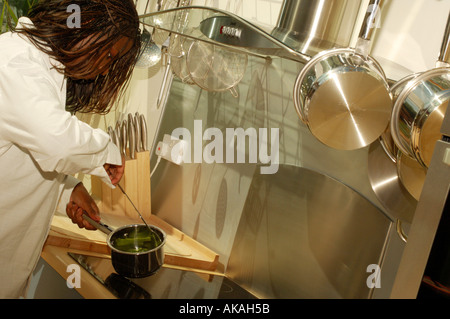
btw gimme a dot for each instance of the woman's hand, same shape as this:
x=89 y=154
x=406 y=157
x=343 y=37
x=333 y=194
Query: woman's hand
x=81 y=203
x=115 y=172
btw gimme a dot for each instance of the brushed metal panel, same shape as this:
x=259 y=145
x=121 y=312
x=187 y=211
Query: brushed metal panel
x=305 y=235
x=424 y=226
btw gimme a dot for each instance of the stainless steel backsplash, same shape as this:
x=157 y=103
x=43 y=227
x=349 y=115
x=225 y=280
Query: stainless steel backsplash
x=309 y=231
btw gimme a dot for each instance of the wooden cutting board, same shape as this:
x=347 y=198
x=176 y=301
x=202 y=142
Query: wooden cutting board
x=180 y=250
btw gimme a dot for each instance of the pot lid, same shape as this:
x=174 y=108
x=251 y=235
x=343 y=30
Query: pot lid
x=348 y=119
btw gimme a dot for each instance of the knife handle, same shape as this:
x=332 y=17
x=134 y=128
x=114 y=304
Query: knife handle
x=131 y=138
x=137 y=129
x=143 y=126
x=110 y=132
x=124 y=137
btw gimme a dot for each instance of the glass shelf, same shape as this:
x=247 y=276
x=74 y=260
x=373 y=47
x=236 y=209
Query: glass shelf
x=221 y=28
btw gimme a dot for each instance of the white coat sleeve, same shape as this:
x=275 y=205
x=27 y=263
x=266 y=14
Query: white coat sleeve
x=69 y=184
x=35 y=119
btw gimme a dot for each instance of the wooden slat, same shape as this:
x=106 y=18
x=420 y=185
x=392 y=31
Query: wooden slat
x=180 y=250
x=143 y=181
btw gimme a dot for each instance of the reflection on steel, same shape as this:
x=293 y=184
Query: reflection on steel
x=337 y=114
x=305 y=235
x=387 y=186
x=418 y=114
x=311 y=26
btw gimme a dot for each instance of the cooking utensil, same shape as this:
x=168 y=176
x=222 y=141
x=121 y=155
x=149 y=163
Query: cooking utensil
x=150 y=53
x=160 y=36
x=111 y=134
x=134 y=206
x=343 y=96
x=420 y=109
x=180 y=21
x=124 y=136
x=131 y=137
x=143 y=132
x=311 y=26
x=214 y=68
x=118 y=139
x=418 y=115
x=137 y=128
x=178 y=49
x=114 y=136
x=391 y=175
x=162 y=91
x=135 y=252
x=411 y=173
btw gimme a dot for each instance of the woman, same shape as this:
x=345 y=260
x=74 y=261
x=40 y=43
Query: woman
x=49 y=71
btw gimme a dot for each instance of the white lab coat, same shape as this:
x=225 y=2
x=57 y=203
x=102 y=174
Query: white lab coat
x=41 y=145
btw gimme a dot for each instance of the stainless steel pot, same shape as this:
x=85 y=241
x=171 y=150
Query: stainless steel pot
x=343 y=96
x=418 y=114
x=420 y=109
x=310 y=26
x=411 y=174
x=397 y=181
x=149 y=256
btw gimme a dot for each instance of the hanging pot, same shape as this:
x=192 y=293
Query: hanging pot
x=418 y=115
x=311 y=26
x=392 y=189
x=420 y=109
x=343 y=96
x=411 y=174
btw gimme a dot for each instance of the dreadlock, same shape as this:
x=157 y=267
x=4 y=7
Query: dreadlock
x=103 y=22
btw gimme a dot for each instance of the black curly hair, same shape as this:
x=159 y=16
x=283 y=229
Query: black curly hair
x=78 y=49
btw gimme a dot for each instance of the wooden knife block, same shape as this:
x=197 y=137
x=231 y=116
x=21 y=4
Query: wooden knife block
x=135 y=182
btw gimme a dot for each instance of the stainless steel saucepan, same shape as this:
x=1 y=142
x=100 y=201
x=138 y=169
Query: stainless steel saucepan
x=394 y=180
x=136 y=252
x=343 y=96
x=420 y=109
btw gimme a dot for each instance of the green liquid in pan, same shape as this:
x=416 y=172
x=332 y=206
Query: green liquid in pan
x=136 y=241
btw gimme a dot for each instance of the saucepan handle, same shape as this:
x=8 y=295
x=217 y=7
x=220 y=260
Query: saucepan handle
x=368 y=27
x=400 y=232
x=99 y=225
x=444 y=56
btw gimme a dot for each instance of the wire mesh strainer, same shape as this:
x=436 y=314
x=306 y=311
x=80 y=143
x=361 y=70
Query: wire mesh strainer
x=178 y=49
x=214 y=68
x=160 y=36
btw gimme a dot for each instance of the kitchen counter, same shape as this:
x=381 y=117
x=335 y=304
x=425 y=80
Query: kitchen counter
x=83 y=259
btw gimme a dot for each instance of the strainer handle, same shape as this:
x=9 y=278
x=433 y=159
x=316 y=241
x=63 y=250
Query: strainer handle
x=234 y=92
